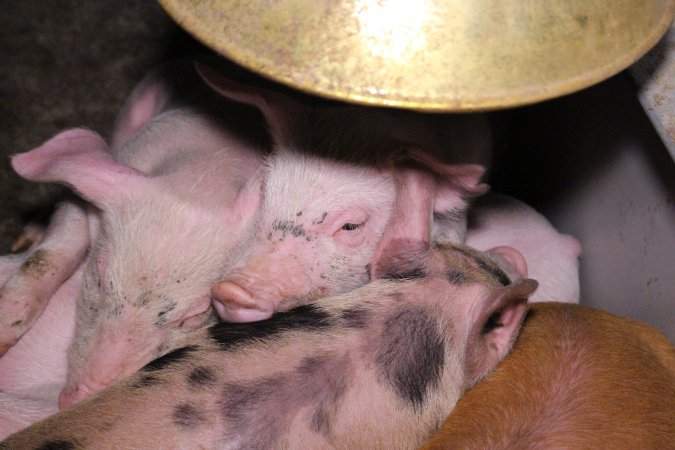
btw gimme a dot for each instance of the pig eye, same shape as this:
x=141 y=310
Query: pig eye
x=351 y=226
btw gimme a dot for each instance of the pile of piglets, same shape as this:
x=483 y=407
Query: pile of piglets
x=378 y=367
x=195 y=211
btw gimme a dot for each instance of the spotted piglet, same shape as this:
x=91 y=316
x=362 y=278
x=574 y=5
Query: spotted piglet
x=379 y=367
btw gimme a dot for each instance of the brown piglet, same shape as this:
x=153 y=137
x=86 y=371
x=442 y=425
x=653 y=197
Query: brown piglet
x=576 y=378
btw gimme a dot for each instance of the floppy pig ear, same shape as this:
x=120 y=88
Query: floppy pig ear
x=424 y=186
x=79 y=158
x=456 y=183
x=496 y=326
x=512 y=258
x=280 y=111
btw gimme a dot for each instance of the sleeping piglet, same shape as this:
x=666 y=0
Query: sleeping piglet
x=328 y=215
x=378 y=367
x=166 y=231
x=175 y=196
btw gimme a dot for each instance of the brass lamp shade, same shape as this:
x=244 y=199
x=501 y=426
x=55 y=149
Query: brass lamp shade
x=430 y=55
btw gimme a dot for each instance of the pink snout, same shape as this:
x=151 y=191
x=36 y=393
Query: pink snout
x=235 y=304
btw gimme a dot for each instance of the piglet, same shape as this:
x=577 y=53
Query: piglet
x=387 y=181
x=379 y=367
x=576 y=378
x=174 y=196
x=552 y=257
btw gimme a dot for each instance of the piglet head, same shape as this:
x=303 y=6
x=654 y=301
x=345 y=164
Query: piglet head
x=491 y=317
x=327 y=226
x=143 y=290
x=120 y=331
x=320 y=223
x=482 y=297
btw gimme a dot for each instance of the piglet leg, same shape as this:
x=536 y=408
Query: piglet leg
x=26 y=291
x=30 y=237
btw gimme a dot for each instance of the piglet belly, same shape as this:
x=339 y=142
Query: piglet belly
x=35 y=368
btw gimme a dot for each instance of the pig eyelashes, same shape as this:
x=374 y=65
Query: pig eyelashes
x=351 y=226
x=350 y=233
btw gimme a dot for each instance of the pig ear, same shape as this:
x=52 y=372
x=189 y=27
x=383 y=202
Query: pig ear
x=513 y=260
x=280 y=111
x=79 y=158
x=496 y=327
x=455 y=183
x=144 y=103
x=424 y=187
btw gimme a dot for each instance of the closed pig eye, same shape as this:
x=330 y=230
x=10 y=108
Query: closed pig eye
x=352 y=226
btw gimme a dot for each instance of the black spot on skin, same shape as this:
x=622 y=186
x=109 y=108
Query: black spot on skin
x=176 y=356
x=411 y=356
x=239 y=398
x=162 y=314
x=271 y=403
x=288 y=226
x=457 y=277
x=146 y=381
x=144 y=299
x=17 y=323
x=201 y=377
x=305 y=317
x=115 y=310
x=495 y=271
x=321 y=421
x=323 y=217
x=299 y=213
x=406 y=275
x=187 y=415
x=57 y=445
x=311 y=364
x=492 y=269
x=356 y=317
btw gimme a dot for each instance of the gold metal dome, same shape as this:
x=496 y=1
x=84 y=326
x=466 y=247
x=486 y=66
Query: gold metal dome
x=433 y=55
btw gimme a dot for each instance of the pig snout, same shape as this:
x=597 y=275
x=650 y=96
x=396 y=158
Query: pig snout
x=96 y=379
x=235 y=304
x=112 y=357
x=255 y=291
